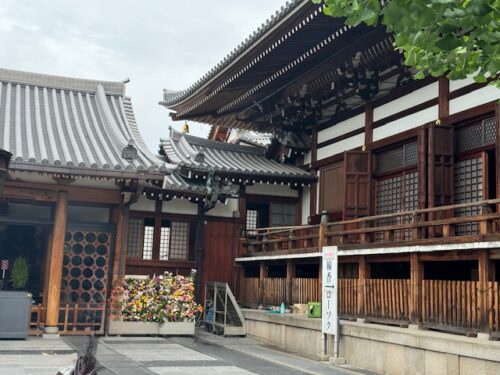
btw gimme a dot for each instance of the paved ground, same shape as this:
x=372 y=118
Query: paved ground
x=207 y=354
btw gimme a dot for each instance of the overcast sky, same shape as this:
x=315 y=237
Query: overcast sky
x=157 y=44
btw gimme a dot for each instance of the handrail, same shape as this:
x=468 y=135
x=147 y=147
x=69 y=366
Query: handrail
x=278 y=230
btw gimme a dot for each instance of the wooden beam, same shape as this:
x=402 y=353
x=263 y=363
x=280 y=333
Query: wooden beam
x=368 y=123
x=56 y=263
x=416 y=276
x=290 y=271
x=484 y=273
x=364 y=273
x=314 y=187
x=262 y=276
x=120 y=216
x=444 y=94
x=497 y=152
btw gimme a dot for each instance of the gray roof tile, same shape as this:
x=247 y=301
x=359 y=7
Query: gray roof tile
x=199 y=154
x=70 y=123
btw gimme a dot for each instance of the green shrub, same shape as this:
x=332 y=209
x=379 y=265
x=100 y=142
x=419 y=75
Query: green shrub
x=19 y=275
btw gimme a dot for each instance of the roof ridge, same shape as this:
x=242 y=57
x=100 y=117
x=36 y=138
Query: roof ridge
x=60 y=82
x=202 y=142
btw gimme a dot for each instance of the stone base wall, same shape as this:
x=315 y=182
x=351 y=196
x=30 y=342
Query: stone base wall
x=379 y=348
x=392 y=350
x=291 y=333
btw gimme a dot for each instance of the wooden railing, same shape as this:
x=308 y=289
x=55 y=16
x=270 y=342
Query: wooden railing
x=74 y=319
x=430 y=224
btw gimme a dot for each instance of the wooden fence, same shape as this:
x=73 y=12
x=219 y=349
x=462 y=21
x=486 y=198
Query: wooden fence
x=274 y=290
x=348 y=297
x=451 y=303
x=494 y=305
x=249 y=291
x=305 y=290
x=387 y=299
x=74 y=319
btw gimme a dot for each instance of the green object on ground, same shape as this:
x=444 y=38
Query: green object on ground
x=314 y=310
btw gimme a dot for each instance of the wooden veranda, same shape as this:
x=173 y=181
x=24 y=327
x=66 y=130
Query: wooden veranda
x=464 y=306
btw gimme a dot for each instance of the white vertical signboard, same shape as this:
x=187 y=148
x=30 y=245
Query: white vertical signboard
x=330 y=283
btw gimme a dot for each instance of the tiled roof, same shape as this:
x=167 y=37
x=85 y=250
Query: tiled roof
x=75 y=125
x=199 y=154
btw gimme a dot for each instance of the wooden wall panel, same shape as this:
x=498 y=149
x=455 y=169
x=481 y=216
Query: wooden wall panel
x=332 y=185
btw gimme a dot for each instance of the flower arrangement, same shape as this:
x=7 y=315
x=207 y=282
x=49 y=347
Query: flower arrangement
x=164 y=298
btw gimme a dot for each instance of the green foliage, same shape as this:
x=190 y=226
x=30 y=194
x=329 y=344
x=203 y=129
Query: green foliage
x=19 y=275
x=456 y=38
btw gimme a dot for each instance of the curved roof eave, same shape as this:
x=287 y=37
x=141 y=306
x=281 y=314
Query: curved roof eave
x=171 y=99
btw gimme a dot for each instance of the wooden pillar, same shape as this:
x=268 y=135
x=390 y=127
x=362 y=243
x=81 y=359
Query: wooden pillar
x=56 y=262
x=121 y=214
x=363 y=274
x=322 y=240
x=484 y=271
x=314 y=187
x=443 y=101
x=368 y=123
x=200 y=252
x=290 y=271
x=416 y=277
x=262 y=276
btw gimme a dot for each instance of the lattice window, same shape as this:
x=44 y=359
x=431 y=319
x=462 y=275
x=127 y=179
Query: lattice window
x=468 y=187
x=149 y=231
x=251 y=221
x=396 y=194
x=134 y=248
x=282 y=214
x=179 y=240
x=164 y=240
x=398 y=157
x=475 y=135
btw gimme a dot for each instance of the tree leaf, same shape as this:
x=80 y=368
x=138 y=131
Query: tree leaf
x=448 y=42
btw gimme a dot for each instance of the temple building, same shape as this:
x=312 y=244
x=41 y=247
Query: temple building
x=408 y=173
x=85 y=202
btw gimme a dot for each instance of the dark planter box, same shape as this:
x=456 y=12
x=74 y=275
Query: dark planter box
x=14 y=314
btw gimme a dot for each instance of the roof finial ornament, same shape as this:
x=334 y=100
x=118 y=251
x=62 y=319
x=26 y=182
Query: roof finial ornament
x=185 y=128
x=129 y=152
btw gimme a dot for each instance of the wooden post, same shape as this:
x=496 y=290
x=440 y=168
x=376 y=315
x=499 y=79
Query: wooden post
x=416 y=276
x=322 y=231
x=483 y=268
x=262 y=276
x=56 y=262
x=120 y=248
x=443 y=101
x=368 y=123
x=363 y=274
x=290 y=268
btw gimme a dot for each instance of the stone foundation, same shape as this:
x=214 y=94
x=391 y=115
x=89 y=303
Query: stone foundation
x=379 y=348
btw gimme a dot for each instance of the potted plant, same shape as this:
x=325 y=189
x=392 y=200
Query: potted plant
x=16 y=305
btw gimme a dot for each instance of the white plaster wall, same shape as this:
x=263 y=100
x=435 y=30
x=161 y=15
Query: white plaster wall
x=306 y=201
x=342 y=127
x=455 y=85
x=271 y=189
x=179 y=206
x=408 y=101
x=483 y=95
x=341 y=146
x=224 y=209
x=307 y=157
x=88 y=214
x=406 y=123
x=143 y=204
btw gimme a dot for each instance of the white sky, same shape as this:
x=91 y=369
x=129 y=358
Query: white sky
x=157 y=44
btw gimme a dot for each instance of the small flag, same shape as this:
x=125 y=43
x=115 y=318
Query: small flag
x=5 y=267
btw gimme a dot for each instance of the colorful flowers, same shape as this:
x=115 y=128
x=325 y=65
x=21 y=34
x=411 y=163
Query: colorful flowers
x=164 y=298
